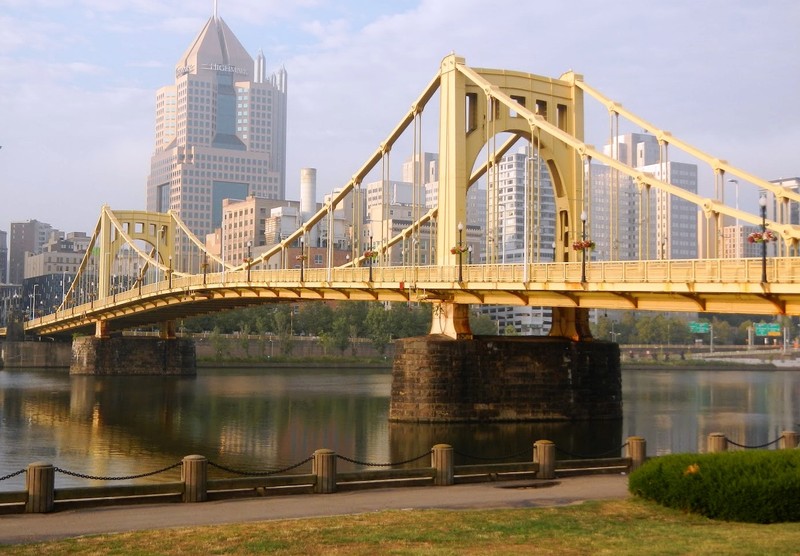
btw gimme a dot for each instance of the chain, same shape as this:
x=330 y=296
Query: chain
x=584 y=456
x=126 y=478
x=14 y=474
x=369 y=464
x=259 y=473
x=498 y=458
x=755 y=447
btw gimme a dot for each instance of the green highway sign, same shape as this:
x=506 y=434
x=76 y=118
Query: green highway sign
x=768 y=329
x=699 y=327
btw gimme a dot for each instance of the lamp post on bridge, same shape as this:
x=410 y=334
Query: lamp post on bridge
x=583 y=251
x=169 y=272
x=469 y=251
x=249 y=258
x=460 y=253
x=554 y=251
x=302 y=256
x=33 y=302
x=762 y=202
x=369 y=258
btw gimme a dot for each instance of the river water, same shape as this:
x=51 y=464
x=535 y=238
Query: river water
x=267 y=419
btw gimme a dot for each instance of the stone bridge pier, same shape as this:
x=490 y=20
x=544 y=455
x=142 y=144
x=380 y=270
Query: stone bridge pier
x=459 y=377
x=115 y=354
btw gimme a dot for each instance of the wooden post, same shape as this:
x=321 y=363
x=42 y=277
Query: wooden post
x=788 y=440
x=324 y=467
x=717 y=442
x=636 y=449
x=194 y=474
x=40 y=483
x=544 y=453
x=442 y=462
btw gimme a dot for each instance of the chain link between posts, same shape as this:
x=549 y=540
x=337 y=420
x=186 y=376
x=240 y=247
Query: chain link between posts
x=12 y=475
x=392 y=464
x=125 y=478
x=746 y=447
x=259 y=473
x=526 y=451
x=595 y=456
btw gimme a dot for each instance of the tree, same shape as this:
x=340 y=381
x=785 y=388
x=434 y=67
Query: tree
x=378 y=326
x=314 y=318
x=283 y=327
x=482 y=325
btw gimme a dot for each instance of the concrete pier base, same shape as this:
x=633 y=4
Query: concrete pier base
x=501 y=378
x=130 y=355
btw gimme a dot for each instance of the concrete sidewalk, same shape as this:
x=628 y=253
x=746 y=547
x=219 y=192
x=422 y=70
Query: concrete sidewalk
x=26 y=528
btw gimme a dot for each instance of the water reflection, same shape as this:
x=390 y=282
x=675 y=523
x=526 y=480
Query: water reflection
x=258 y=420
x=676 y=410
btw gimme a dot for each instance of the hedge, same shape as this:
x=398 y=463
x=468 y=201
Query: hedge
x=750 y=486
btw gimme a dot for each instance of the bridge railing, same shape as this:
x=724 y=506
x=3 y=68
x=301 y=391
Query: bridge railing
x=743 y=275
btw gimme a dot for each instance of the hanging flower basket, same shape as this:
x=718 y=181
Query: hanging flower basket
x=369 y=254
x=761 y=237
x=458 y=250
x=247 y=260
x=300 y=258
x=583 y=245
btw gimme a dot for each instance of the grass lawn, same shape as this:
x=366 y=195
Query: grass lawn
x=598 y=527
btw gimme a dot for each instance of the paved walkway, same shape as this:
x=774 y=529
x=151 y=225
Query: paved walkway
x=26 y=528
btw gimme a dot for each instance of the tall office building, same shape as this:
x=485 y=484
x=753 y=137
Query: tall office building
x=627 y=223
x=220 y=131
x=520 y=175
x=3 y=257
x=27 y=238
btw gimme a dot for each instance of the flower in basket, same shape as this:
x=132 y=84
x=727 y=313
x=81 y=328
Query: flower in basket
x=761 y=237
x=583 y=245
x=370 y=254
x=458 y=250
x=300 y=258
x=247 y=260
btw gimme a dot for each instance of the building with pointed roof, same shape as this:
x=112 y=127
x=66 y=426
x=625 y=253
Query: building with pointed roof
x=220 y=131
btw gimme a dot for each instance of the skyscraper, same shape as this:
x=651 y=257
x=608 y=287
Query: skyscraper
x=627 y=223
x=521 y=179
x=220 y=131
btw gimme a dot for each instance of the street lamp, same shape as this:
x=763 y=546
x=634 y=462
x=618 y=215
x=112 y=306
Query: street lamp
x=762 y=202
x=169 y=272
x=583 y=251
x=33 y=302
x=460 y=253
x=249 y=258
x=369 y=259
x=554 y=251
x=469 y=250
x=302 y=256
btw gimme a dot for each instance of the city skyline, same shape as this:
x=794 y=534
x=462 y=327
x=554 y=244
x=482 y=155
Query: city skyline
x=103 y=63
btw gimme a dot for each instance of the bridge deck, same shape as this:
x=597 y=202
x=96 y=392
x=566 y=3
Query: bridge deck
x=719 y=285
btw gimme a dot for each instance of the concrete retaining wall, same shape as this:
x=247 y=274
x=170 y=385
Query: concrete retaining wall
x=41 y=355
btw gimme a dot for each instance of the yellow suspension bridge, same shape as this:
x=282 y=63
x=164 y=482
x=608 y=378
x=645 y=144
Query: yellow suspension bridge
x=173 y=276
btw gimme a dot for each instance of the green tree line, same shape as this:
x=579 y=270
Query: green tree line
x=336 y=325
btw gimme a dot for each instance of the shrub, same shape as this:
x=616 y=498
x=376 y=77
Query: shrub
x=756 y=487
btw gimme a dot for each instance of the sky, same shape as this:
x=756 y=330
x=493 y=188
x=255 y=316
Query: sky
x=77 y=94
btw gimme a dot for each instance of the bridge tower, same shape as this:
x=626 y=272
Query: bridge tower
x=449 y=376
x=477 y=105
